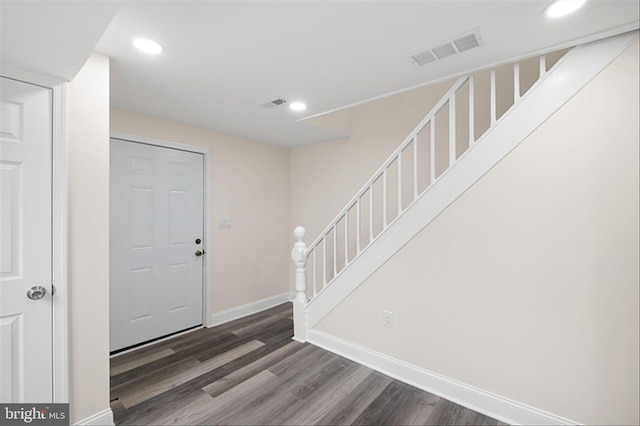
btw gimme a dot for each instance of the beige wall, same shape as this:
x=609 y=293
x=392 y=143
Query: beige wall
x=88 y=238
x=250 y=185
x=528 y=285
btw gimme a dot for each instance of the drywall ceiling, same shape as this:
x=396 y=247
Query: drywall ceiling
x=223 y=59
x=52 y=38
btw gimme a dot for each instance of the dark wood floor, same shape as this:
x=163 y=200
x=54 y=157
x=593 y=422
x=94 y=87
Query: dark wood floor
x=250 y=372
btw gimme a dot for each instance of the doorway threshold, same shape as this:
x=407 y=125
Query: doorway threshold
x=152 y=341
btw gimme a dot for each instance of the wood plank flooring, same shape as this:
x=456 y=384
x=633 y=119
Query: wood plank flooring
x=250 y=372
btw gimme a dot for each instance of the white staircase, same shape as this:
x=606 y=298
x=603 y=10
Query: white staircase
x=446 y=151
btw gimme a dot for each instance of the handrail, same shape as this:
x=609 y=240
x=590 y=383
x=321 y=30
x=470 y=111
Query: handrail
x=389 y=160
x=301 y=252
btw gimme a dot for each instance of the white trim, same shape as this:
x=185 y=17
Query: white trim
x=60 y=326
x=31 y=77
x=159 y=142
x=480 y=400
x=104 y=417
x=570 y=74
x=249 y=308
x=60 y=313
x=206 y=152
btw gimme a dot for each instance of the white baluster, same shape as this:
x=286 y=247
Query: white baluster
x=452 y=129
x=299 y=256
x=324 y=261
x=370 y=214
x=315 y=291
x=432 y=147
x=516 y=82
x=346 y=238
x=335 y=249
x=493 y=96
x=472 y=136
x=384 y=199
x=399 y=183
x=415 y=167
x=358 y=227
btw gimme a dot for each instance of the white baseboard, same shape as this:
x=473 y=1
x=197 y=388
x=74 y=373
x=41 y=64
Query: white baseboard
x=482 y=401
x=104 y=417
x=248 y=309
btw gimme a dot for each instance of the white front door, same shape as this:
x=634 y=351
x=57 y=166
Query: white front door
x=25 y=243
x=156 y=218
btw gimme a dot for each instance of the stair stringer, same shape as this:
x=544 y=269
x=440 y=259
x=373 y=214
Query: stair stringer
x=570 y=74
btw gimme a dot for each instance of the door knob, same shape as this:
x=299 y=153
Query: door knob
x=200 y=253
x=36 y=292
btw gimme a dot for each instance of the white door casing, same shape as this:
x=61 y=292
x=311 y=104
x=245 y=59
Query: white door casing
x=25 y=242
x=156 y=216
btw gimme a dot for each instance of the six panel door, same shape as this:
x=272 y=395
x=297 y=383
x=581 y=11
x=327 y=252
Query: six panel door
x=25 y=243
x=156 y=233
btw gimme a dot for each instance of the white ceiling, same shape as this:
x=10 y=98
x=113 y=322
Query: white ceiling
x=223 y=59
x=51 y=37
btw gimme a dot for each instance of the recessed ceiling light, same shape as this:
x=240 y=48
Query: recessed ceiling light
x=147 y=46
x=561 y=8
x=297 y=106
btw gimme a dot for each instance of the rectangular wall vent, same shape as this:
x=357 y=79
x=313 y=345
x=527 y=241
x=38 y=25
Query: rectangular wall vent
x=452 y=47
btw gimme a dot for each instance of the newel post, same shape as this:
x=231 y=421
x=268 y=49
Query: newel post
x=300 y=260
x=299 y=303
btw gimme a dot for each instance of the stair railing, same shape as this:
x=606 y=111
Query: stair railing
x=323 y=252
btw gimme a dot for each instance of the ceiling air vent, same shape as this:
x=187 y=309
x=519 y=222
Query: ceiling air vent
x=274 y=103
x=467 y=42
x=452 y=47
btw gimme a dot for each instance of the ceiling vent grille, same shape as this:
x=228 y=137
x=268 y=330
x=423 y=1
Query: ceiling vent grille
x=274 y=103
x=452 y=47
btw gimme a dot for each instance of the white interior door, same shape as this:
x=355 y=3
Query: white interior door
x=25 y=243
x=156 y=246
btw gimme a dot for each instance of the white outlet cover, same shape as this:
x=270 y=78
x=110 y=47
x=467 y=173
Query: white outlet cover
x=387 y=318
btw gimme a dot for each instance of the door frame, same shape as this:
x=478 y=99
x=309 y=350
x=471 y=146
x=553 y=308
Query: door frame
x=60 y=247
x=59 y=223
x=206 y=201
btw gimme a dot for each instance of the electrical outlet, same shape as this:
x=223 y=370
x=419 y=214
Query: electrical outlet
x=224 y=223
x=387 y=318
